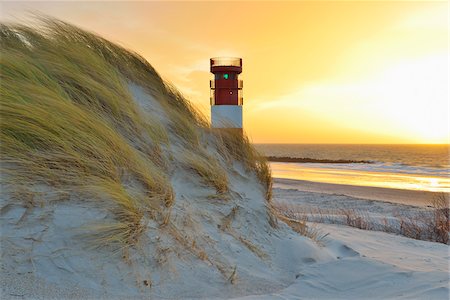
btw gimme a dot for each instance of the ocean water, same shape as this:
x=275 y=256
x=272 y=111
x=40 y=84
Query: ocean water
x=412 y=167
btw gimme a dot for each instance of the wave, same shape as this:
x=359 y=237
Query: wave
x=315 y=160
x=377 y=167
x=403 y=169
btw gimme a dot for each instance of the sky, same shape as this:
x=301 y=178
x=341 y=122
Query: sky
x=313 y=71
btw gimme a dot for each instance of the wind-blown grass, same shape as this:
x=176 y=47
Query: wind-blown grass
x=235 y=145
x=68 y=120
x=208 y=169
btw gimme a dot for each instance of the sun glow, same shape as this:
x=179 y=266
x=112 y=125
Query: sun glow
x=407 y=99
x=413 y=95
x=313 y=71
x=434 y=182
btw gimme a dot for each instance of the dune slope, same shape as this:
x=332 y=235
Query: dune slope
x=112 y=182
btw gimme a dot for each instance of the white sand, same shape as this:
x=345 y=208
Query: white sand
x=409 y=197
x=43 y=255
x=313 y=201
x=372 y=265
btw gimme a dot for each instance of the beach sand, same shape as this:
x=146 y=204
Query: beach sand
x=408 y=197
x=349 y=263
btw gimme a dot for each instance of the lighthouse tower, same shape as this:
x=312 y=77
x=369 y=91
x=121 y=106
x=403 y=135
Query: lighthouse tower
x=226 y=93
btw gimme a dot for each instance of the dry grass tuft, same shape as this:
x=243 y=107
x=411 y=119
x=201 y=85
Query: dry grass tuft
x=440 y=222
x=433 y=226
x=250 y=246
x=357 y=219
x=300 y=226
x=234 y=145
x=209 y=169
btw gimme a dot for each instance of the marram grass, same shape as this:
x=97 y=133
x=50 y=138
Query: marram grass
x=208 y=169
x=68 y=120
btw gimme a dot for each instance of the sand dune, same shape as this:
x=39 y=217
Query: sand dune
x=114 y=187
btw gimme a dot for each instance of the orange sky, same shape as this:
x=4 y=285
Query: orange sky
x=314 y=72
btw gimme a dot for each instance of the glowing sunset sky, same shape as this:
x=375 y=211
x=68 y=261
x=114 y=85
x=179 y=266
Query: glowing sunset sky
x=314 y=72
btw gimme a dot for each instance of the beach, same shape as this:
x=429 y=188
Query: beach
x=377 y=247
x=407 y=197
x=343 y=264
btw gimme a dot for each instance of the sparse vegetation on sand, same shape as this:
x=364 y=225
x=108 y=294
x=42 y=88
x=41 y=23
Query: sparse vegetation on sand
x=431 y=225
x=69 y=121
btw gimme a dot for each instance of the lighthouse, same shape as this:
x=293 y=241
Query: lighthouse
x=226 y=93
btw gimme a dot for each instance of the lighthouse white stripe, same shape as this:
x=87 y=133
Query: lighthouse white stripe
x=226 y=116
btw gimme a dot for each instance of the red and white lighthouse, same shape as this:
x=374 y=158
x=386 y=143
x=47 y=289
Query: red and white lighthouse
x=226 y=93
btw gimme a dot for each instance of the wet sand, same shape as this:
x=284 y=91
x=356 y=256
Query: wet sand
x=409 y=197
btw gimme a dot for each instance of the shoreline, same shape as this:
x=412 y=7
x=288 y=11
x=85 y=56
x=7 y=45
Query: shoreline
x=289 y=159
x=408 y=197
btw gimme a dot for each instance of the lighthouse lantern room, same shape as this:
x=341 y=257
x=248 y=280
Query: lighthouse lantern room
x=226 y=93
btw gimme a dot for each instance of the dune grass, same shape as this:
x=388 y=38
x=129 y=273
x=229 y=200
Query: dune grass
x=430 y=225
x=209 y=169
x=69 y=121
x=235 y=145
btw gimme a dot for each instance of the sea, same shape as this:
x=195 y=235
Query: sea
x=410 y=167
